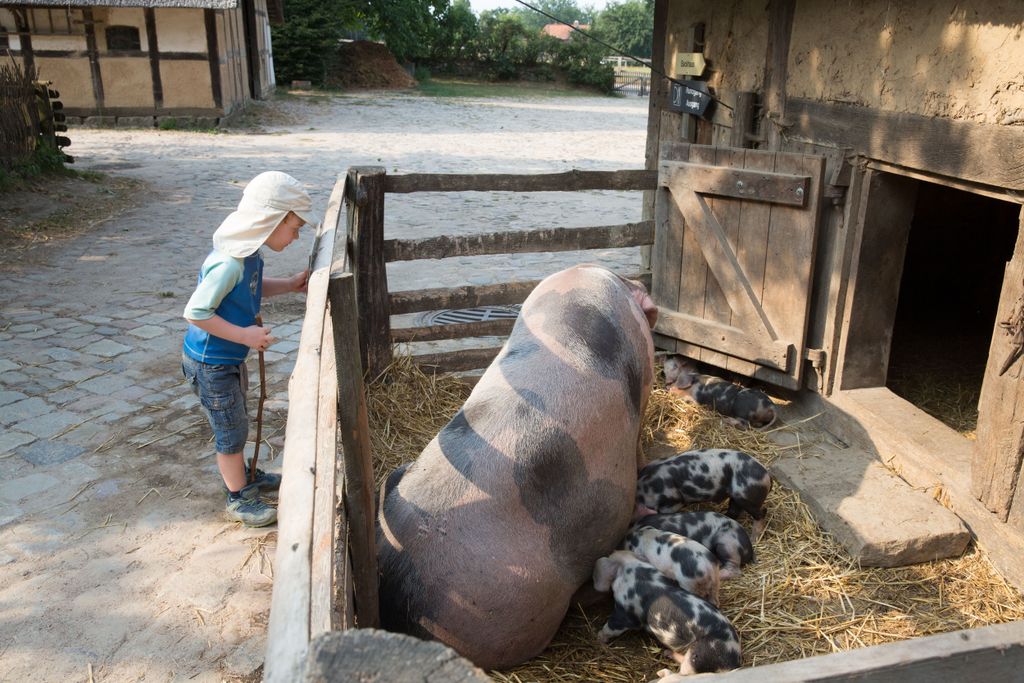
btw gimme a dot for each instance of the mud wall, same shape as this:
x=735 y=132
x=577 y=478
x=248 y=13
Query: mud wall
x=957 y=59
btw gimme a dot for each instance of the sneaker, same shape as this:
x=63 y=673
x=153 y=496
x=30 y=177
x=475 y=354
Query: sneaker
x=265 y=481
x=250 y=510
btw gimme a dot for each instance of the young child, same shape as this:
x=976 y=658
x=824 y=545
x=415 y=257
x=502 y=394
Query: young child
x=222 y=326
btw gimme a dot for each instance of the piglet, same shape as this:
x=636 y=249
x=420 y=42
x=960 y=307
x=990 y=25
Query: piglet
x=741 y=406
x=723 y=536
x=686 y=561
x=707 y=475
x=699 y=637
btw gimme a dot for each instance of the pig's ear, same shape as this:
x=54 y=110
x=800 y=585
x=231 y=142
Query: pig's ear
x=605 y=571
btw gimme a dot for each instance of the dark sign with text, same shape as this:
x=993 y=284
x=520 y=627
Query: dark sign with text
x=690 y=97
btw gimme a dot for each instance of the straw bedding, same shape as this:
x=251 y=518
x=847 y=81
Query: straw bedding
x=804 y=596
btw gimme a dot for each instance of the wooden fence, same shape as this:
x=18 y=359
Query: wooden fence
x=633 y=81
x=19 y=117
x=371 y=253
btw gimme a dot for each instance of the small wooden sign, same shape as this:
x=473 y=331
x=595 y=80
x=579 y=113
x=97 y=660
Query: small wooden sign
x=690 y=97
x=690 y=64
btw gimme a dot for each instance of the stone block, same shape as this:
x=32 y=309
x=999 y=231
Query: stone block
x=61 y=354
x=23 y=410
x=48 y=424
x=99 y=121
x=6 y=365
x=106 y=385
x=148 y=331
x=9 y=396
x=135 y=122
x=9 y=440
x=107 y=348
x=13 y=490
x=880 y=519
x=45 y=452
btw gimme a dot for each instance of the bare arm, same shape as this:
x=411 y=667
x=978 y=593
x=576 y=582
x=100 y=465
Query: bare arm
x=253 y=336
x=272 y=286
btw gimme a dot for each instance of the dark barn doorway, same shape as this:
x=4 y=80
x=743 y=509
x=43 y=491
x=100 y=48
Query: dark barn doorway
x=952 y=275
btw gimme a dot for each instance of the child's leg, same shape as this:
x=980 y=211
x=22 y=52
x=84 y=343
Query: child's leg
x=232 y=469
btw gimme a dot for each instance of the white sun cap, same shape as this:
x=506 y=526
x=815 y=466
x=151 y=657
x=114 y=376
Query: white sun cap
x=266 y=201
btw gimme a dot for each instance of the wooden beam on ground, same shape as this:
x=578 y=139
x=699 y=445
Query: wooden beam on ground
x=521 y=241
x=355 y=438
x=983 y=153
x=484 y=328
x=569 y=181
x=290 y=608
x=471 y=296
x=988 y=653
x=711 y=335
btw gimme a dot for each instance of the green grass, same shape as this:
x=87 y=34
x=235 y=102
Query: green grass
x=444 y=87
x=45 y=161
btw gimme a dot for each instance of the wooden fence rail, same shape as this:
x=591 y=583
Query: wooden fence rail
x=372 y=253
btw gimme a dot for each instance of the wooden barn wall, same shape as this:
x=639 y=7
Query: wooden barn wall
x=265 y=53
x=233 y=63
x=169 y=77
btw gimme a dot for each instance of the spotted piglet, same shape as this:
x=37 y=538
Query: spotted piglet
x=742 y=407
x=699 y=637
x=707 y=475
x=723 y=536
x=686 y=561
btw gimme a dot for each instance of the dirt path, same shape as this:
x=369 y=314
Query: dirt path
x=115 y=557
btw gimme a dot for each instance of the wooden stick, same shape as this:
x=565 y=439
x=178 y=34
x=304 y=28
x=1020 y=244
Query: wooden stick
x=259 y=410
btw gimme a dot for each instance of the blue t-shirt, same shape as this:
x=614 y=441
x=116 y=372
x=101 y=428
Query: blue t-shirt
x=230 y=288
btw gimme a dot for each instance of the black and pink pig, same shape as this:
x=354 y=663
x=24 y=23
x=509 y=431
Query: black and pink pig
x=742 y=407
x=484 y=538
x=724 y=537
x=682 y=559
x=698 y=636
x=707 y=475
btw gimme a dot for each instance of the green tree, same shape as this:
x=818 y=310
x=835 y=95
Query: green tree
x=406 y=26
x=565 y=10
x=306 y=44
x=580 y=58
x=629 y=26
x=455 y=36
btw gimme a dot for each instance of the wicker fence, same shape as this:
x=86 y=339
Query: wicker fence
x=19 y=114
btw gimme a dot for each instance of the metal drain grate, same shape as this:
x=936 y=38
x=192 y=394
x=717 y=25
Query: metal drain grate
x=471 y=315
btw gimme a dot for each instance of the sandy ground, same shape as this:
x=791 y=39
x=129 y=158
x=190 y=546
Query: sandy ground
x=116 y=561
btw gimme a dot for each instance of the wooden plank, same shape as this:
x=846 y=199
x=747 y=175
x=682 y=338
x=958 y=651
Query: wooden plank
x=521 y=241
x=743 y=120
x=883 y=224
x=987 y=653
x=707 y=178
x=366 y=233
x=693 y=268
x=321 y=584
x=708 y=334
x=457 y=361
x=722 y=264
x=1001 y=193
x=999 y=448
x=982 y=153
x=288 y=629
x=568 y=181
x=789 y=264
x=727 y=212
x=752 y=244
x=656 y=116
x=355 y=438
x=776 y=64
x=470 y=296
x=666 y=255
x=483 y=328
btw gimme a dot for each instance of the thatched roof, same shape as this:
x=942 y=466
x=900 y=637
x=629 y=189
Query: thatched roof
x=186 y=4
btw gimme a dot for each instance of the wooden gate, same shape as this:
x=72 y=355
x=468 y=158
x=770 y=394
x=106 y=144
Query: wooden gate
x=733 y=257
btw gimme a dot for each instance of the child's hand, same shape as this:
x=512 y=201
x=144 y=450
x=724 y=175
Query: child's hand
x=256 y=337
x=299 y=281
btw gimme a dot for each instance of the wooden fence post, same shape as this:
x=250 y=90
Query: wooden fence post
x=366 y=235
x=355 y=439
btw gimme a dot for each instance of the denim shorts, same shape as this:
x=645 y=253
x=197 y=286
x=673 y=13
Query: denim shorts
x=220 y=391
